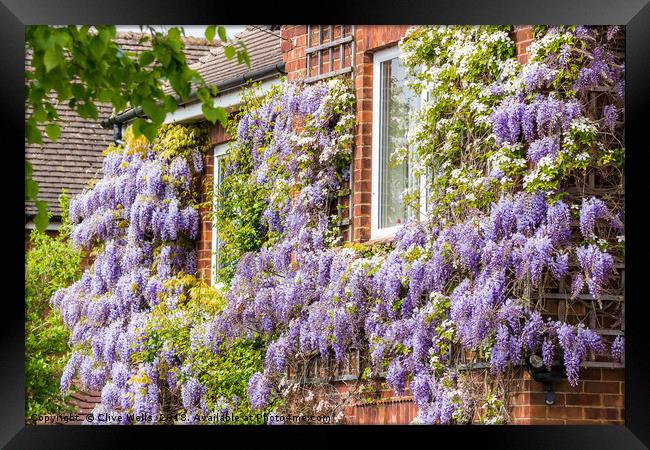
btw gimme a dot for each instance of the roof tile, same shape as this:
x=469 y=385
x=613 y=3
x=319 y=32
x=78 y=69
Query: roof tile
x=76 y=158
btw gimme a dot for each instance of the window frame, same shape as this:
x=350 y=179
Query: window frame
x=219 y=152
x=376 y=232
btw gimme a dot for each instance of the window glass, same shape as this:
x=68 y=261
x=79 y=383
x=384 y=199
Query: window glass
x=397 y=102
x=219 y=174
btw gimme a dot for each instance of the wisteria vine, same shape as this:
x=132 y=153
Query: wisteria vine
x=449 y=284
x=140 y=222
x=501 y=227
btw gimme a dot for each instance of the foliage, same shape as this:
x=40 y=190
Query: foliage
x=42 y=218
x=51 y=263
x=469 y=276
x=83 y=65
x=240 y=202
x=137 y=314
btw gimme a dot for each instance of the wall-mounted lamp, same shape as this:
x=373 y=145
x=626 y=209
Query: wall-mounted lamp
x=544 y=375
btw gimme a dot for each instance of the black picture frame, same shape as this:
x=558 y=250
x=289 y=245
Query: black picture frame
x=634 y=14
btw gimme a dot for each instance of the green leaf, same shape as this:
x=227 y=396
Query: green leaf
x=153 y=111
x=210 y=32
x=163 y=54
x=209 y=112
x=28 y=169
x=135 y=127
x=222 y=34
x=52 y=58
x=242 y=54
x=41 y=219
x=203 y=94
x=149 y=130
x=170 y=103
x=53 y=131
x=229 y=52
x=77 y=90
x=145 y=58
x=40 y=115
x=31 y=188
x=174 y=34
x=98 y=47
x=222 y=116
x=213 y=114
x=87 y=110
x=32 y=132
x=104 y=95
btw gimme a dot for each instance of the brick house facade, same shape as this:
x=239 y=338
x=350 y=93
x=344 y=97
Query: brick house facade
x=599 y=396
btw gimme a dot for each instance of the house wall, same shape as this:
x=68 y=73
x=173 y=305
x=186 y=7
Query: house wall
x=599 y=396
x=204 y=243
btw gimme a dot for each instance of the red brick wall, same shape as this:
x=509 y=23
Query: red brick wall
x=218 y=136
x=597 y=399
x=204 y=243
x=294 y=50
x=523 y=37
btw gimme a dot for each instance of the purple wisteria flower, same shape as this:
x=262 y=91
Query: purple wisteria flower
x=618 y=348
x=597 y=267
x=592 y=209
x=610 y=114
x=547 y=146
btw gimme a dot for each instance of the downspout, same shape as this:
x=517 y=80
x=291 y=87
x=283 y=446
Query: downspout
x=117 y=121
x=117 y=133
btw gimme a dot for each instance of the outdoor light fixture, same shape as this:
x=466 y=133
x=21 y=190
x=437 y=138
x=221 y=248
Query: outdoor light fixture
x=536 y=361
x=544 y=375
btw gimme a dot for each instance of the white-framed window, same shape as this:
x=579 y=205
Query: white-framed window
x=393 y=102
x=220 y=151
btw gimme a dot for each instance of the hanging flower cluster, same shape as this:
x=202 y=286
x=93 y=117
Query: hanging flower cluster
x=301 y=144
x=140 y=221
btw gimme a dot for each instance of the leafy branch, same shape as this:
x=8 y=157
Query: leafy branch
x=84 y=66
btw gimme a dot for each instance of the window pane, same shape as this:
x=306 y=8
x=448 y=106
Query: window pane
x=220 y=169
x=219 y=165
x=397 y=100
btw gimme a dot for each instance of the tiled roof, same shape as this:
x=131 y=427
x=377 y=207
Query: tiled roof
x=195 y=47
x=76 y=157
x=263 y=47
x=70 y=162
